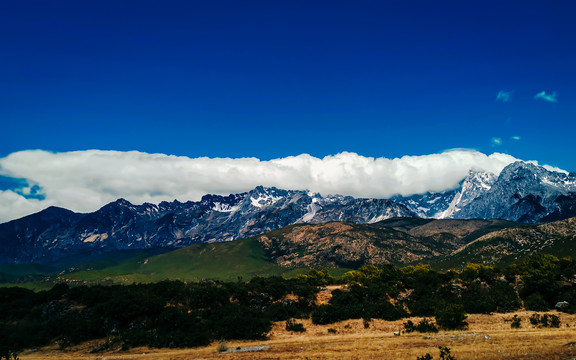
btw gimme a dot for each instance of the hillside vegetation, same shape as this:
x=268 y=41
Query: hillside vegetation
x=338 y=246
x=179 y=314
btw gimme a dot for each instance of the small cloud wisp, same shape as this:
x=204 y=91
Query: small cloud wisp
x=504 y=96
x=546 y=97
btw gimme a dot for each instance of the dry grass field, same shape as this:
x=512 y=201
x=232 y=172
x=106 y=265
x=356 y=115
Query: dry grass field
x=488 y=337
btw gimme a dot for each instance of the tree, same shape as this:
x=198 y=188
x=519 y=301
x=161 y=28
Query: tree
x=541 y=275
x=452 y=317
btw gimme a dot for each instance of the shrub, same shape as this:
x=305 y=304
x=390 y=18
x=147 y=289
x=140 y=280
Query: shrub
x=294 y=326
x=546 y=320
x=452 y=317
x=222 y=347
x=325 y=314
x=554 y=321
x=239 y=322
x=423 y=326
x=536 y=302
x=516 y=322
x=444 y=355
x=409 y=326
x=535 y=319
x=366 y=323
x=505 y=297
x=425 y=357
x=332 y=331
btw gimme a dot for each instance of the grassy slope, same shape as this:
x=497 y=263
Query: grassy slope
x=218 y=261
x=221 y=261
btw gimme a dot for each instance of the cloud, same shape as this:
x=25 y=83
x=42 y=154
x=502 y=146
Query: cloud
x=496 y=141
x=504 y=96
x=516 y=138
x=546 y=97
x=86 y=180
x=14 y=205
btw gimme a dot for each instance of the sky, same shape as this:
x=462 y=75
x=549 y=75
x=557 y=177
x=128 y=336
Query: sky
x=270 y=82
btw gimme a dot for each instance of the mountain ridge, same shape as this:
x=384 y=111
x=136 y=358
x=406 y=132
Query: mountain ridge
x=522 y=192
x=121 y=225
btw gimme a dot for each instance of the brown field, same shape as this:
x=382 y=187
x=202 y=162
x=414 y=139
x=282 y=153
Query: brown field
x=488 y=337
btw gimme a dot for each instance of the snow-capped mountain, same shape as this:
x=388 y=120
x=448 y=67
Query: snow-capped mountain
x=55 y=232
x=522 y=192
x=473 y=186
x=445 y=205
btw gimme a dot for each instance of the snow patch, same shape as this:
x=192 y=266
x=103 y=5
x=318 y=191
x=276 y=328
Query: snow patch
x=312 y=210
x=375 y=219
x=96 y=237
x=224 y=207
x=264 y=200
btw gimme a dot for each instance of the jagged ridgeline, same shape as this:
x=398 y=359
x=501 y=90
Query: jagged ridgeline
x=54 y=233
x=522 y=192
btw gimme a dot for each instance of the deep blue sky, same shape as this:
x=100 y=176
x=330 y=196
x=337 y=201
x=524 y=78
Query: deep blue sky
x=276 y=78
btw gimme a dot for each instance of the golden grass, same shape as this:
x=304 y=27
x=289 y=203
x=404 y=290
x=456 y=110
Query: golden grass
x=488 y=337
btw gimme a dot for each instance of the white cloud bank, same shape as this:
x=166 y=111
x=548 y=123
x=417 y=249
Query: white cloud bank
x=86 y=180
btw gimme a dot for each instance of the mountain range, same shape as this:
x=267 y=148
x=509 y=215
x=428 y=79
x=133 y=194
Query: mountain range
x=522 y=192
x=55 y=232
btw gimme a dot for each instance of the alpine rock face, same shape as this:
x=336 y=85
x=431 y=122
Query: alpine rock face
x=445 y=205
x=522 y=192
x=54 y=233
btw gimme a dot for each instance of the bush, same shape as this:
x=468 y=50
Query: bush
x=452 y=317
x=444 y=355
x=554 y=321
x=424 y=326
x=536 y=302
x=516 y=322
x=325 y=314
x=546 y=320
x=222 y=347
x=239 y=322
x=366 y=323
x=295 y=327
x=505 y=297
x=332 y=331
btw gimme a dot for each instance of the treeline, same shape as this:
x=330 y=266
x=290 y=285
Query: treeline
x=164 y=314
x=178 y=314
x=539 y=283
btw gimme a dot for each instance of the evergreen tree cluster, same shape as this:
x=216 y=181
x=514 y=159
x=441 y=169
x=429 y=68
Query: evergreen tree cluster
x=178 y=314
x=538 y=283
x=164 y=314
